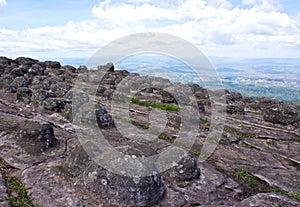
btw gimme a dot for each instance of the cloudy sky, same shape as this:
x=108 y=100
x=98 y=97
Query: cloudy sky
x=77 y=28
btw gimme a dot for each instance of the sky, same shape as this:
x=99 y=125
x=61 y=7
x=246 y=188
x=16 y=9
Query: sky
x=78 y=28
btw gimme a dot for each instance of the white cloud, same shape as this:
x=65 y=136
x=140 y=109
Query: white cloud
x=213 y=25
x=2 y=3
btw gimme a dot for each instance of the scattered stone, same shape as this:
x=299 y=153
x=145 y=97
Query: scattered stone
x=17 y=72
x=233 y=97
x=41 y=95
x=24 y=94
x=185 y=170
x=235 y=109
x=18 y=82
x=60 y=89
x=55 y=104
x=52 y=64
x=35 y=70
x=5 y=81
x=265 y=102
x=282 y=114
x=82 y=69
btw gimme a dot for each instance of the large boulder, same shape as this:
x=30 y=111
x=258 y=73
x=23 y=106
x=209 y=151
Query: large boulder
x=25 y=61
x=41 y=95
x=88 y=112
x=18 y=82
x=281 y=114
x=52 y=64
x=60 y=88
x=235 y=109
x=265 y=102
x=55 y=104
x=185 y=170
x=233 y=97
x=116 y=189
x=17 y=72
x=24 y=94
x=5 y=61
x=35 y=70
x=36 y=137
x=109 y=67
x=5 y=81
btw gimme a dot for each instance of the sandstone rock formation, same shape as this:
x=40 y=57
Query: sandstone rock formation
x=45 y=113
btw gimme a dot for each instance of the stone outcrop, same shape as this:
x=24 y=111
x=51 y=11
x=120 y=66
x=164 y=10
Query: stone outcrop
x=47 y=140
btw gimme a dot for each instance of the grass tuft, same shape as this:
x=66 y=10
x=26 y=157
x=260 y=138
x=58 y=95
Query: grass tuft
x=245 y=176
x=294 y=196
x=165 y=107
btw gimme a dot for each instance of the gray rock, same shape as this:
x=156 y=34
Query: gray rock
x=248 y=100
x=40 y=95
x=185 y=170
x=55 y=104
x=24 y=94
x=5 y=61
x=282 y=114
x=18 y=82
x=88 y=113
x=36 y=137
x=109 y=67
x=17 y=72
x=115 y=189
x=265 y=102
x=233 y=97
x=60 y=89
x=5 y=81
x=235 y=109
x=35 y=70
x=82 y=68
x=201 y=106
x=268 y=200
x=52 y=64
x=25 y=61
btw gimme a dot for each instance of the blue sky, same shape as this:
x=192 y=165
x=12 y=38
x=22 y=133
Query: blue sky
x=77 y=28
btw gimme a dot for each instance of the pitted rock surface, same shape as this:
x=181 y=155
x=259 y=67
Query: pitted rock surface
x=39 y=140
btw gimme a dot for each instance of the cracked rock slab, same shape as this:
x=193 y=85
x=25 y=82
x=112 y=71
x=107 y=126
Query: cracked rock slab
x=268 y=200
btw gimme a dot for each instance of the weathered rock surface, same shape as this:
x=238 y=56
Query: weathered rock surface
x=268 y=200
x=282 y=114
x=258 y=151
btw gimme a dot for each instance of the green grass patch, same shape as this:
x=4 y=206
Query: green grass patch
x=165 y=107
x=17 y=193
x=286 y=193
x=256 y=112
x=242 y=135
x=16 y=190
x=245 y=176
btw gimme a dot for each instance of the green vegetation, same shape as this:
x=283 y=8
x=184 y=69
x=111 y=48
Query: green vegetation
x=17 y=193
x=256 y=112
x=286 y=193
x=16 y=190
x=239 y=133
x=245 y=176
x=165 y=107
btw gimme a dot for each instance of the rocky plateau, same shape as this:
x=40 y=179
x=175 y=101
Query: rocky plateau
x=57 y=121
